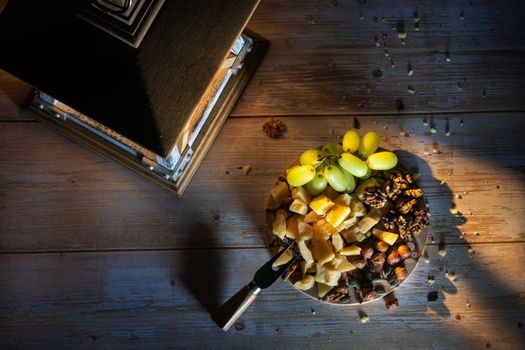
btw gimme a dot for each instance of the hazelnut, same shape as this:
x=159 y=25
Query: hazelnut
x=404 y=251
x=391 y=301
x=381 y=246
x=393 y=258
x=367 y=251
x=401 y=273
x=378 y=259
x=358 y=262
x=368 y=294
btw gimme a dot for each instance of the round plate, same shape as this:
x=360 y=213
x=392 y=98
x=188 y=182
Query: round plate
x=419 y=242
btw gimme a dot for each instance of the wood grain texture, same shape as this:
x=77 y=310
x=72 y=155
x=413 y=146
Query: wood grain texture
x=322 y=57
x=163 y=299
x=76 y=200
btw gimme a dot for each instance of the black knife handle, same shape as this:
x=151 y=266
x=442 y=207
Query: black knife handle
x=231 y=310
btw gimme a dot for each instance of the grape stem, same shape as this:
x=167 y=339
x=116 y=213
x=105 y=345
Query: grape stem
x=330 y=159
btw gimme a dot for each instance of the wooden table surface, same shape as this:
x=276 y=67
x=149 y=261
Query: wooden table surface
x=92 y=256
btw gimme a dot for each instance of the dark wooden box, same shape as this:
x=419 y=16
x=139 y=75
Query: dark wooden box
x=151 y=95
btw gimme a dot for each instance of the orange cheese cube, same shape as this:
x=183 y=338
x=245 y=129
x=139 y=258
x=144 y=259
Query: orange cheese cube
x=338 y=214
x=321 y=204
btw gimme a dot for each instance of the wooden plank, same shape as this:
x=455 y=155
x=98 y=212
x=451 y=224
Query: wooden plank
x=161 y=299
x=56 y=196
x=322 y=57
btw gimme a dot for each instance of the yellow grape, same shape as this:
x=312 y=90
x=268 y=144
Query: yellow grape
x=300 y=175
x=351 y=141
x=311 y=157
x=367 y=175
x=351 y=181
x=335 y=178
x=317 y=185
x=382 y=161
x=332 y=149
x=353 y=165
x=369 y=144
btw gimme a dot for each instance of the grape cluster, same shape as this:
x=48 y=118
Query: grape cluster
x=338 y=165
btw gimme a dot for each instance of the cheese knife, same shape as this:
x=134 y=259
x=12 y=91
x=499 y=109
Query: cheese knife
x=232 y=309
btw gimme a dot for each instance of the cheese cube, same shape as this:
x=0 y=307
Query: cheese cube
x=388 y=237
x=369 y=221
x=322 y=250
x=337 y=242
x=301 y=194
x=321 y=204
x=337 y=214
x=306 y=231
x=327 y=275
x=306 y=283
x=358 y=209
x=352 y=234
x=312 y=216
x=306 y=254
x=292 y=230
x=345 y=265
x=299 y=207
x=283 y=259
x=323 y=289
x=325 y=227
x=279 y=224
x=281 y=193
x=350 y=250
x=344 y=199
x=347 y=223
x=330 y=193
